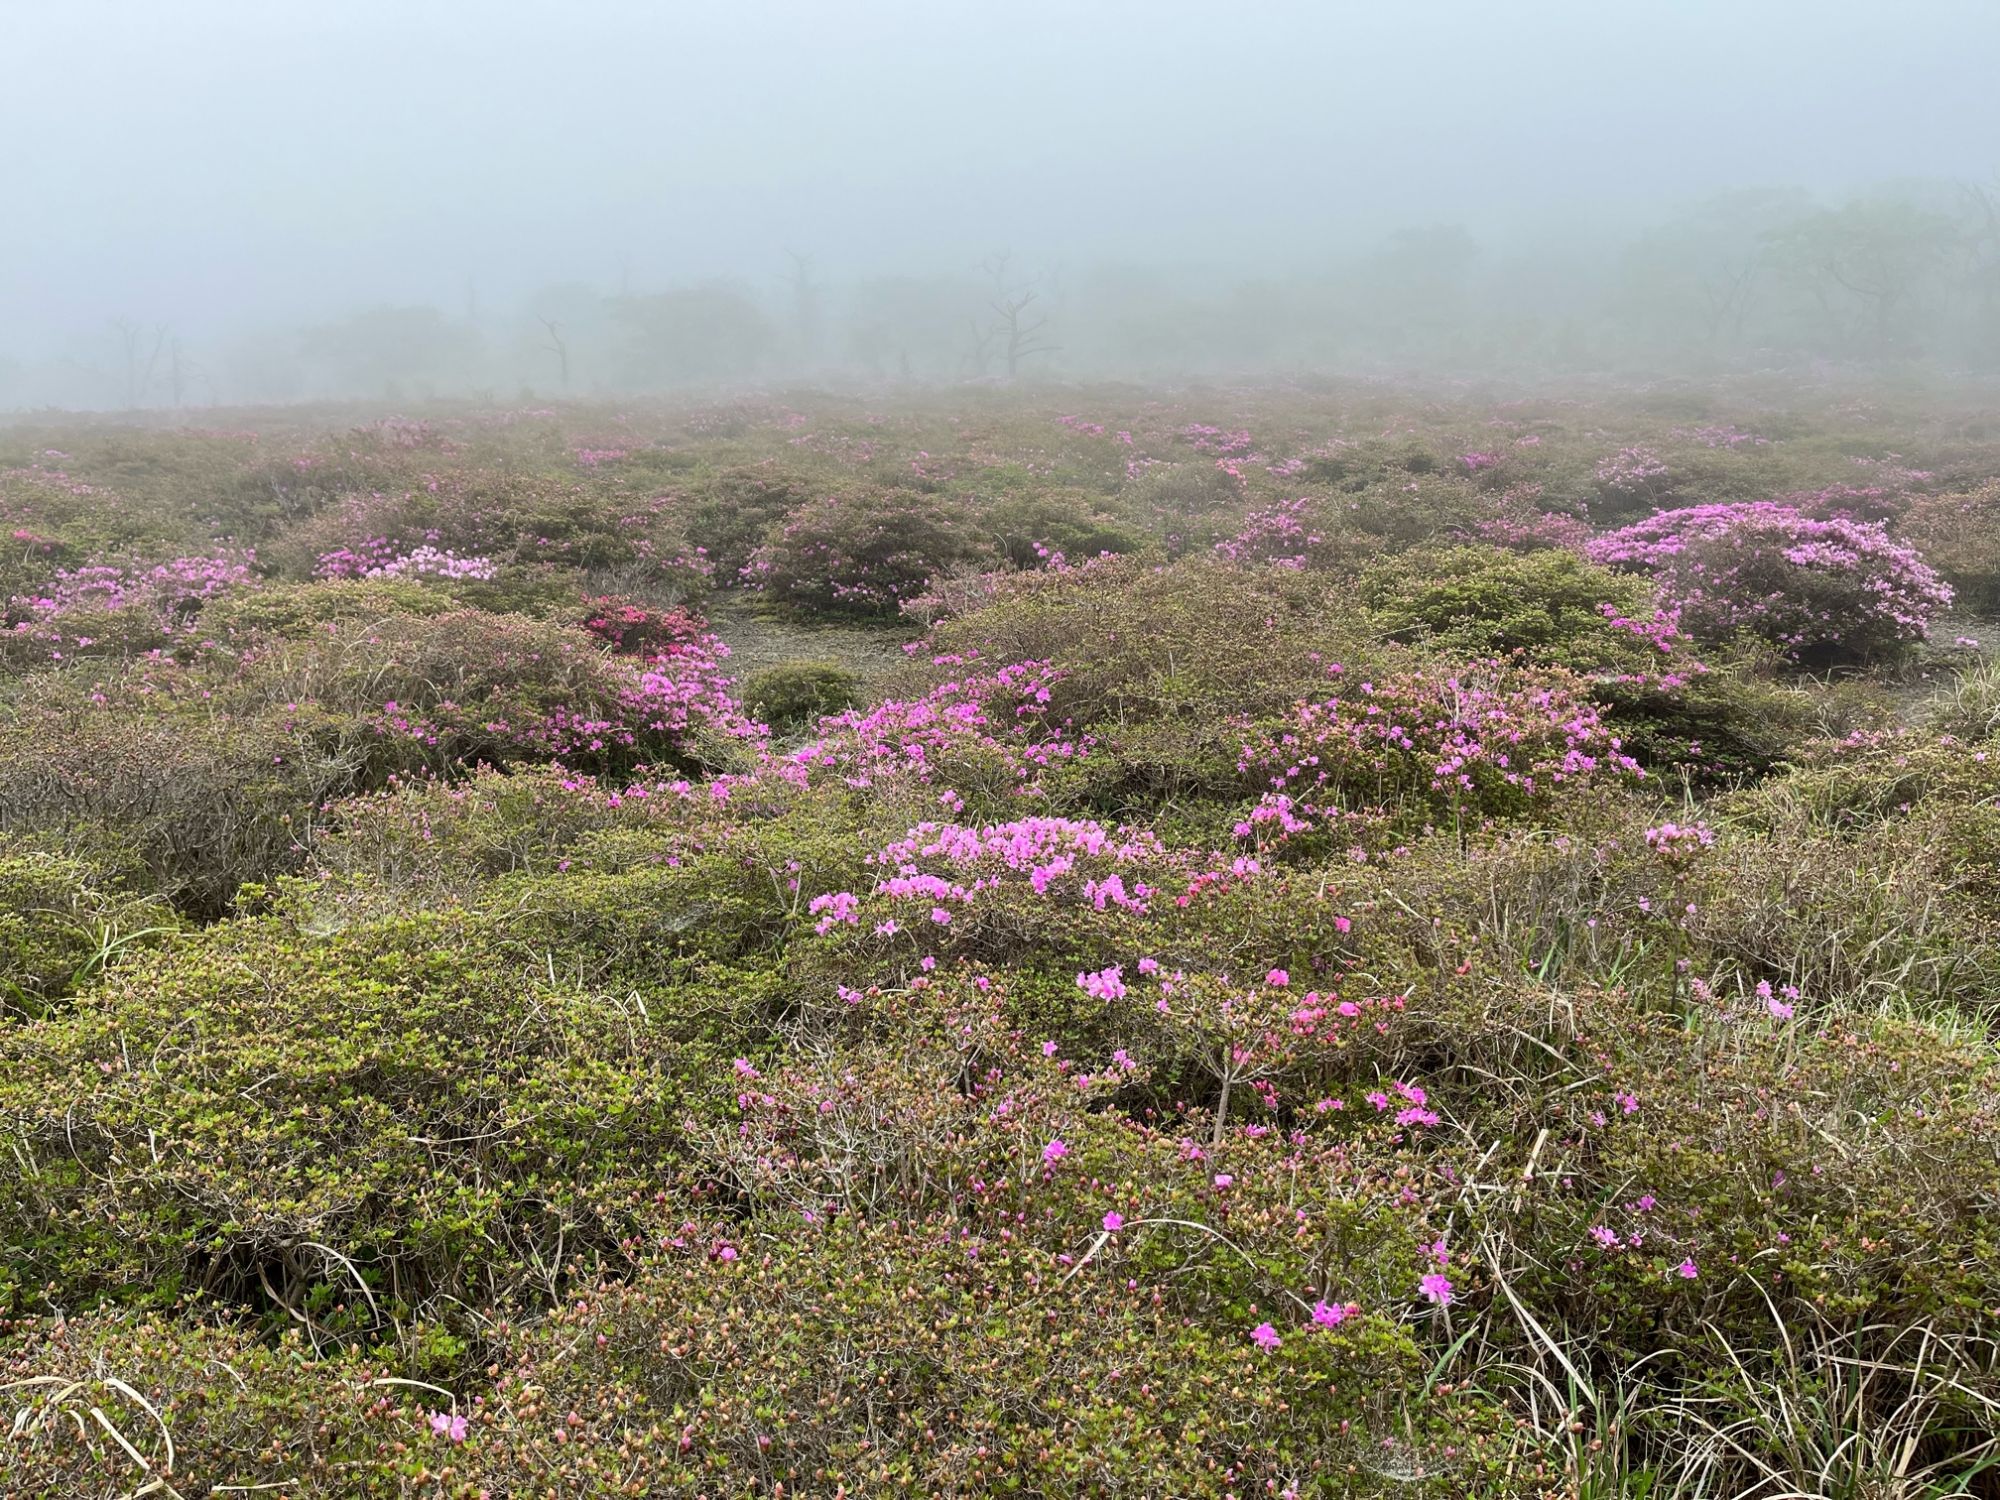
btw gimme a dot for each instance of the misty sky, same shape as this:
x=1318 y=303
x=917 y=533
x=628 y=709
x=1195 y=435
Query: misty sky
x=219 y=161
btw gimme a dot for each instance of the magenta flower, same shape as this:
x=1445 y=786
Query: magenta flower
x=1055 y=1151
x=448 y=1425
x=1333 y=1314
x=1266 y=1336
x=1687 y=1269
x=1113 y=1222
x=1436 y=1287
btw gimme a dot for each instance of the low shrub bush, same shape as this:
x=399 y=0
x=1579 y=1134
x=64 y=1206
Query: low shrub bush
x=861 y=554
x=797 y=694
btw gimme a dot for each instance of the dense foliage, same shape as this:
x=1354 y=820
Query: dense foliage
x=1281 y=945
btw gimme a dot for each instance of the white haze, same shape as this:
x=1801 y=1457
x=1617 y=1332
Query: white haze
x=266 y=199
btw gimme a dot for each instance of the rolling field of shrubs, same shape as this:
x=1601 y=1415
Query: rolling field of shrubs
x=1267 y=941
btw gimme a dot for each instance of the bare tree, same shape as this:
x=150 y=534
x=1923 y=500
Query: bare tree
x=980 y=359
x=995 y=267
x=805 y=305
x=1881 y=252
x=1727 y=293
x=139 y=368
x=180 y=371
x=1981 y=246
x=1019 y=335
x=558 y=348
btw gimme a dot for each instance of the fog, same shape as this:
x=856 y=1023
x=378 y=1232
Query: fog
x=209 y=202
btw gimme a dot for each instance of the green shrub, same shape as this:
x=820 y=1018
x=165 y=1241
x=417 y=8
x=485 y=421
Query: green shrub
x=795 y=694
x=1028 y=527
x=1184 y=492
x=1134 y=641
x=1480 y=601
x=861 y=554
x=1959 y=535
x=202 y=801
x=295 y=611
x=421 y=1105
x=277 y=1417
x=730 y=513
x=62 y=919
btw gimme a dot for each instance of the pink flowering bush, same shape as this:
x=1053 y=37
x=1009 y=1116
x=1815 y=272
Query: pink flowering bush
x=1281 y=535
x=984 y=737
x=949 y=885
x=1667 y=704
x=466 y=686
x=175 y=589
x=635 y=629
x=1818 y=590
x=377 y=561
x=1488 y=741
x=113 y=609
x=460 y=527
x=1632 y=477
x=1521 y=528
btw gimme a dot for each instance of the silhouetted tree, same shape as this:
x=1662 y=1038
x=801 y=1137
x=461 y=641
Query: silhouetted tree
x=139 y=366
x=558 y=348
x=805 y=307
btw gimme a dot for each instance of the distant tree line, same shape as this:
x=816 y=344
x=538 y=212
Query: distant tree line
x=1905 y=272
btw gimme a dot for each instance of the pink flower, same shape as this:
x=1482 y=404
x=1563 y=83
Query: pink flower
x=448 y=1425
x=1224 y=1180
x=1333 y=1314
x=1113 y=1222
x=1436 y=1287
x=1266 y=1336
x=1278 y=977
x=1687 y=1269
x=1055 y=1151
